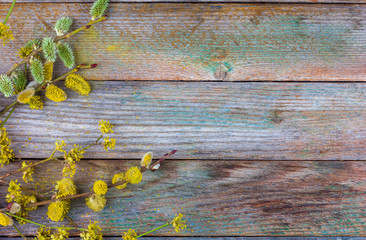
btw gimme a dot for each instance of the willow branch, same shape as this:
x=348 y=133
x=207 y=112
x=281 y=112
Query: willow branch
x=43 y=86
x=32 y=165
x=80 y=29
x=56 y=39
x=87 y=194
x=26 y=60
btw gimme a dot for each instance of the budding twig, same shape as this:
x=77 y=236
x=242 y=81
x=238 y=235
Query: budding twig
x=76 y=69
x=56 y=39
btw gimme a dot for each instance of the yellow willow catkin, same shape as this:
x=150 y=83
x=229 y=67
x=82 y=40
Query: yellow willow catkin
x=48 y=70
x=55 y=93
x=26 y=95
x=78 y=84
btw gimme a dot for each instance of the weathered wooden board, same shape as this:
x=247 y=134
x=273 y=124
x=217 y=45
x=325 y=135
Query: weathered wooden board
x=190 y=1
x=278 y=121
x=230 y=42
x=223 y=238
x=222 y=198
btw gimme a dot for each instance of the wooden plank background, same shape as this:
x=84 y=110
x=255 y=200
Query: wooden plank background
x=263 y=102
x=194 y=1
x=276 y=121
x=210 y=42
x=223 y=198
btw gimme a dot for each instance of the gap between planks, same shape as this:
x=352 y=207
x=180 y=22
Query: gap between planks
x=201 y=1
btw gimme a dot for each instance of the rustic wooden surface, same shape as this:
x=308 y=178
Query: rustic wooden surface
x=192 y=1
x=244 y=132
x=261 y=121
x=209 y=42
x=223 y=198
x=230 y=238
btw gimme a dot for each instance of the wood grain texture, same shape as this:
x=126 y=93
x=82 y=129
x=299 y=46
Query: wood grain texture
x=220 y=238
x=191 y=1
x=223 y=238
x=254 y=121
x=222 y=198
x=220 y=42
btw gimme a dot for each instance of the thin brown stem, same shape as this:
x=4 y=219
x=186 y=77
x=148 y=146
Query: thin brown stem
x=80 y=29
x=25 y=168
x=87 y=194
x=24 y=61
x=78 y=68
x=24 y=188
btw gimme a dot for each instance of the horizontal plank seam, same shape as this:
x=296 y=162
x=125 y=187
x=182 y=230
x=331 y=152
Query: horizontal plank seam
x=221 y=236
x=204 y=2
x=234 y=82
x=201 y=160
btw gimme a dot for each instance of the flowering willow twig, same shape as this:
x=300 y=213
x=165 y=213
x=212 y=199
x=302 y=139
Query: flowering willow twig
x=177 y=222
x=88 y=194
x=59 y=38
x=76 y=69
x=32 y=165
x=25 y=189
x=87 y=26
x=156 y=165
x=45 y=160
x=42 y=225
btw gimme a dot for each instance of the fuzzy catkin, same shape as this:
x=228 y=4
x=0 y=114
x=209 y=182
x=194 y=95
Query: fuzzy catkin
x=19 y=80
x=96 y=202
x=98 y=8
x=58 y=210
x=63 y=25
x=26 y=95
x=55 y=93
x=6 y=86
x=49 y=49
x=34 y=43
x=37 y=70
x=66 y=55
x=78 y=84
x=48 y=70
